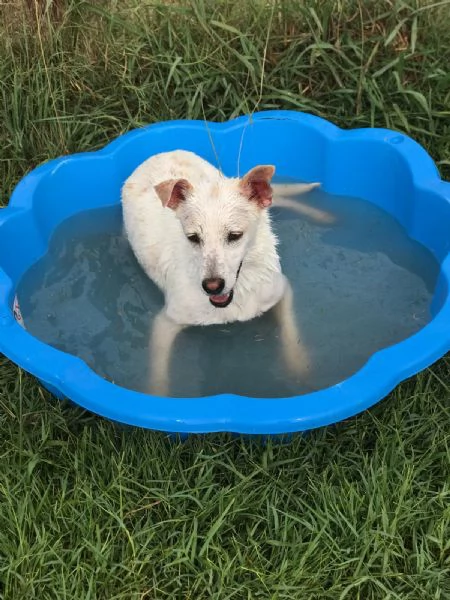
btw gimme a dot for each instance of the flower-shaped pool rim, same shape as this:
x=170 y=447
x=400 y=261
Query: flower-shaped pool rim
x=379 y=165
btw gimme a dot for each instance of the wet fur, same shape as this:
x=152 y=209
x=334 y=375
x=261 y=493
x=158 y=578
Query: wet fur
x=175 y=194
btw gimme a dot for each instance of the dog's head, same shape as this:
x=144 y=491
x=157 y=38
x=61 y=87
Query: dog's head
x=219 y=219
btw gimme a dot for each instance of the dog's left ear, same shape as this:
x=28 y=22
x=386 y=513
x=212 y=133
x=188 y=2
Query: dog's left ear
x=256 y=185
x=173 y=192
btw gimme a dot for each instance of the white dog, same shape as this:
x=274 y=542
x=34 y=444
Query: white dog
x=206 y=240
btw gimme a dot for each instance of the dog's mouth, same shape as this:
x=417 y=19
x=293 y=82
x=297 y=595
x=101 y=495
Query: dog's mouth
x=221 y=300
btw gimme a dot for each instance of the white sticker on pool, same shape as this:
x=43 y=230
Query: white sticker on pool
x=17 y=313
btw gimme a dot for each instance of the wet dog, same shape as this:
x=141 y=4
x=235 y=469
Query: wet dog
x=207 y=241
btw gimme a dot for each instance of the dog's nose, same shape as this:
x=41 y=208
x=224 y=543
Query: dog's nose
x=213 y=285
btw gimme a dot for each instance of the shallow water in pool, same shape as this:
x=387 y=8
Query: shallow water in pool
x=360 y=285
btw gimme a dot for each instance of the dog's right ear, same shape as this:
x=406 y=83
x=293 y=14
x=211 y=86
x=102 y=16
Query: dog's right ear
x=173 y=192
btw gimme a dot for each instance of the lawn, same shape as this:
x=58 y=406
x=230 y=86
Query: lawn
x=93 y=510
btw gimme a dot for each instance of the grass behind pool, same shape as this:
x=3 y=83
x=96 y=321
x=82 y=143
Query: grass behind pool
x=90 y=509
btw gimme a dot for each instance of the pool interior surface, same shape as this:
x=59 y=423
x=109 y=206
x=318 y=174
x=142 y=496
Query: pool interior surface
x=360 y=285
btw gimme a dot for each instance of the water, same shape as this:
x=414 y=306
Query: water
x=360 y=285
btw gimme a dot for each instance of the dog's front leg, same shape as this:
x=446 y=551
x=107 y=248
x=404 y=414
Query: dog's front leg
x=295 y=354
x=163 y=337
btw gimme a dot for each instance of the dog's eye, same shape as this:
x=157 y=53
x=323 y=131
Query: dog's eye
x=234 y=236
x=194 y=238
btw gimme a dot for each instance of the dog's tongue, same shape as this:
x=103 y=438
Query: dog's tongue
x=220 y=298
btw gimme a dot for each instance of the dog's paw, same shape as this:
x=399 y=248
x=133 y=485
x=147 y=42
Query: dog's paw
x=158 y=386
x=297 y=361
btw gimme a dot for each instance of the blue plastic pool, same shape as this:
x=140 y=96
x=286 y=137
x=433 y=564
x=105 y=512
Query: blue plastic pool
x=381 y=166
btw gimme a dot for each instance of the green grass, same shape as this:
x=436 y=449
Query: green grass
x=90 y=509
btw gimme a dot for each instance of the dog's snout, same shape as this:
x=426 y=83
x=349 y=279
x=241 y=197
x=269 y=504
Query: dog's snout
x=213 y=285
